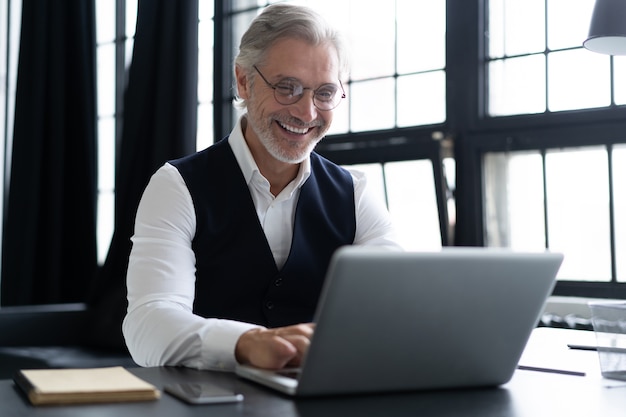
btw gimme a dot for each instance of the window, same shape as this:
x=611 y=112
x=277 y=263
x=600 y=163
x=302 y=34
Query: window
x=390 y=64
x=205 y=74
x=115 y=29
x=115 y=35
x=544 y=69
x=537 y=198
x=554 y=179
x=10 y=12
x=474 y=131
x=534 y=120
x=397 y=82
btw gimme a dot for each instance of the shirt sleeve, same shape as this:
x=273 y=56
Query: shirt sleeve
x=373 y=222
x=160 y=327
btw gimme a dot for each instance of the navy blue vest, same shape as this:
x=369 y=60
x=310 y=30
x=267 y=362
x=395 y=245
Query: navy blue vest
x=236 y=276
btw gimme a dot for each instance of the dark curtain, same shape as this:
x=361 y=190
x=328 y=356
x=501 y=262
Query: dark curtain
x=160 y=111
x=49 y=242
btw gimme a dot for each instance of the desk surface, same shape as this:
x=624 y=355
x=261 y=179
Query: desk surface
x=528 y=394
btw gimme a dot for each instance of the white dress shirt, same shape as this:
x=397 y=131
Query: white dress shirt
x=160 y=327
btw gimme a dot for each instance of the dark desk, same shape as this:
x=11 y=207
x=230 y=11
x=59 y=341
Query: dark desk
x=528 y=394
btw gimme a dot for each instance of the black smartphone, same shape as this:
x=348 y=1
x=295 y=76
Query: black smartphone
x=202 y=393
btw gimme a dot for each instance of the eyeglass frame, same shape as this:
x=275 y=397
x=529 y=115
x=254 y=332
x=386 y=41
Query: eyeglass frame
x=299 y=97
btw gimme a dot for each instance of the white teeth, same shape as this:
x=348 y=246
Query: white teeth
x=294 y=129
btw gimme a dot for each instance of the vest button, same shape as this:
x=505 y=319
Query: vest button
x=278 y=282
x=269 y=305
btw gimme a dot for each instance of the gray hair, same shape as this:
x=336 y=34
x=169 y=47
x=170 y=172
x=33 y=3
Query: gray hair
x=279 y=21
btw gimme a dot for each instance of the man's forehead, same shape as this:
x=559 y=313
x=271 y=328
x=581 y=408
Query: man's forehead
x=293 y=57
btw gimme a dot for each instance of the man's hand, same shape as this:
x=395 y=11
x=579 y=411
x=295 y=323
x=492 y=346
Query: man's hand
x=274 y=348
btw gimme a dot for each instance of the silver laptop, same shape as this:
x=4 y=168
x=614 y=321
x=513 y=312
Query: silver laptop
x=402 y=321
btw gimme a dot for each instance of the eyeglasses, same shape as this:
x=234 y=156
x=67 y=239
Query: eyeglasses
x=290 y=91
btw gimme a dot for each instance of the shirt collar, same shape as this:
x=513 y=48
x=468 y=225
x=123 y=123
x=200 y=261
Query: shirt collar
x=248 y=165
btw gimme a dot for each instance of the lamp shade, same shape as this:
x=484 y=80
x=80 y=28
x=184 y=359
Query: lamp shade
x=607 y=31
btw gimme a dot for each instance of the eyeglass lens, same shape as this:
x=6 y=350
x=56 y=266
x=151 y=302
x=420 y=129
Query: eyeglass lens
x=325 y=97
x=290 y=91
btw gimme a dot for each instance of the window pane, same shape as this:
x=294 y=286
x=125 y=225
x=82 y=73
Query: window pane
x=341 y=114
x=245 y=4
x=205 y=61
x=375 y=179
x=204 y=132
x=131 y=16
x=106 y=154
x=106 y=79
x=619 y=72
x=105 y=21
x=568 y=22
x=422 y=99
x=372 y=105
x=106 y=208
x=4 y=94
x=374 y=53
x=578 y=212
x=241 y=22
x=619 y=201
x=517 y=86
x=421 y=35
x=128 y=52
x=516 y=27
x=413 y=204
x=335 y=12
x=578 y=79
x=205 y=126
x=514 y=213
x=449 y=167
x=3 y=70
x=205 y=10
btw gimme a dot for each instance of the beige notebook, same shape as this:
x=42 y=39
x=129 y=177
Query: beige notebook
x=80 y=386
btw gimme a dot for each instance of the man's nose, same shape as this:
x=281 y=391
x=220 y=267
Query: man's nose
x=304 y=109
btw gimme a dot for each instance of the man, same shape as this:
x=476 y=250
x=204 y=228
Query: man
x=231 y=244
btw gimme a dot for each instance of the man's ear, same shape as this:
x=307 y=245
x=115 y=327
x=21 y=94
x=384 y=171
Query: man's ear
x=242 y=82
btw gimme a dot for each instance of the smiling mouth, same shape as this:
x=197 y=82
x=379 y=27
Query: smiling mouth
x=293 y=129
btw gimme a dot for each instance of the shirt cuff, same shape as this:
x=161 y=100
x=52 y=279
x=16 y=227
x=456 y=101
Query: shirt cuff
x=218 y=345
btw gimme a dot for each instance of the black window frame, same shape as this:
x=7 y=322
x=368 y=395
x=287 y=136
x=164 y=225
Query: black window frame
x=467 y=127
